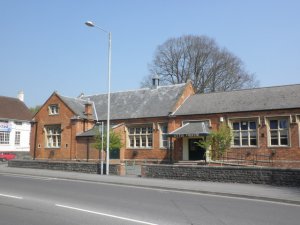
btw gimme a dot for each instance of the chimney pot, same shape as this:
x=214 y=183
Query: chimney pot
x=21 y=96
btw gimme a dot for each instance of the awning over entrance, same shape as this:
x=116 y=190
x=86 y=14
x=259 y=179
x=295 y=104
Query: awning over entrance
x=191 y=129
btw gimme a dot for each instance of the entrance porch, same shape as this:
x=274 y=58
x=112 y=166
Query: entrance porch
x=189 y=136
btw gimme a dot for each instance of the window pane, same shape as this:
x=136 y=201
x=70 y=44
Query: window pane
x=137 y=141
x=244 y=125
x=164 y=128
x=253 y=142
x=236 y=126
x=245 y=141
x=252 y=125
x=245 y=134
x=131 y=139
x=283 y=141
x=144 y=130
x=274 y=134
x=253 y=134
x=149 y=141
x=274 y=138
x=150 y=130
x=143 y=141
x=236 y=138
x=274 y=141
x=236 y=142
x=273 y=124
x=137 y=130
x=283 y=133
x=131 y=130
x=18 y=138
x=283 y=124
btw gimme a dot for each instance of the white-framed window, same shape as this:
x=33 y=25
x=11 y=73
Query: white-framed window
x=244 y=133
x=53 y=136
x=279 y=132
x=17 y=138
x=163 y=127
x=53 y=109
x=4 y=137
x=140 y=136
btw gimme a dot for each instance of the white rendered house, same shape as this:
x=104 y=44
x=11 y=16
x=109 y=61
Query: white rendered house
x=15 y=124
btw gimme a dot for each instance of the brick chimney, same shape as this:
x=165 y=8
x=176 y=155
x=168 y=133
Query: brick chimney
x=155 y=81
x=88 y=109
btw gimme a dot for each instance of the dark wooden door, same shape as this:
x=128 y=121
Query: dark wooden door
x=195 y=151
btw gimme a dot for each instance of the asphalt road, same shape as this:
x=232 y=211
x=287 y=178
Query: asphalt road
x=36 y=200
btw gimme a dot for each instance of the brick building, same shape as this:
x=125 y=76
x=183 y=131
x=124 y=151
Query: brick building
x=63 y=128
x=164 y=122
x=264 y=123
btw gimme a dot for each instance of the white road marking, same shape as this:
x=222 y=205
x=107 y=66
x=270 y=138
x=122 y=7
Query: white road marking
x=11 y=196
x=104 y=214
x=224 y=195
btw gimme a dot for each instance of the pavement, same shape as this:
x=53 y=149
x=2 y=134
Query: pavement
x=290 y=195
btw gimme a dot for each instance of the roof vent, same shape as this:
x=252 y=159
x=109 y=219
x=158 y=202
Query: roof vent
x=155 y=81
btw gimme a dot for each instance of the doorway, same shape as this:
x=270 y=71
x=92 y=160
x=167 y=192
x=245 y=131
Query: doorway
x=196 y=152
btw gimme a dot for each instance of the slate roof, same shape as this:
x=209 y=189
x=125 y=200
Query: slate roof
x=191 y=129
x=77 y=105
x=257 y=99
x=90 y=133
x=13 y=108
x=142 y=103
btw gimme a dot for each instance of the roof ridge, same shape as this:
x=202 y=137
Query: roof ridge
x=136 y=90
x=247 y=89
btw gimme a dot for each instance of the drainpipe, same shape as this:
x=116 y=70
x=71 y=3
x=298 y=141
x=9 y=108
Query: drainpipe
x=35 y=138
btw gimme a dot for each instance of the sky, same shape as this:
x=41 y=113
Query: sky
x=45 y=45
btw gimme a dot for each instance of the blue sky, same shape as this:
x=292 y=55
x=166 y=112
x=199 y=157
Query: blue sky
x=45 y=46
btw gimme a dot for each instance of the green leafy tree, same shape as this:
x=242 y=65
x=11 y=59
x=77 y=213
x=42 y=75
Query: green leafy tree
x=115 y=141
x=35 y=109
x=217 y=142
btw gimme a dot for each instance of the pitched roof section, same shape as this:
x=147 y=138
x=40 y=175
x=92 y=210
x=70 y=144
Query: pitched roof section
x=191 y=129
x=13 y=108
x=140 y=103
x=269 y=98
x=77 y=105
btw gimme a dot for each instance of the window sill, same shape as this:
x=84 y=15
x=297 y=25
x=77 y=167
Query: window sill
x=50 y=148
x=244 y=146
x=149 y=148
x=279 y=146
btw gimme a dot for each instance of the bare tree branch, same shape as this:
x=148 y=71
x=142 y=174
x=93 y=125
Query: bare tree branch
x=199 y=59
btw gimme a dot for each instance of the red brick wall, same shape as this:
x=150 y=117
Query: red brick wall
x=70 y=128
x=284 y=156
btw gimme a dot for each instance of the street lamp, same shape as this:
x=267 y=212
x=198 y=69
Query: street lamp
x=91 y=24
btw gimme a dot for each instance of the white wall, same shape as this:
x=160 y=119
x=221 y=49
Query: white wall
x=24 y=138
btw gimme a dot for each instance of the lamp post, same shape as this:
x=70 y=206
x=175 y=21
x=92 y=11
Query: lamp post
x=91 y=24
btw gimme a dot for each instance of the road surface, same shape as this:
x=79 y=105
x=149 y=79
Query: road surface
x=37 y=200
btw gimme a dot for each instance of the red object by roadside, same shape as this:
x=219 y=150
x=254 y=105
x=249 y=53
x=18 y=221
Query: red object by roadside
x=5 y=156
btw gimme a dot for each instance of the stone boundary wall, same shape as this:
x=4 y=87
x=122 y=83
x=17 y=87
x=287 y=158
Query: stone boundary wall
x=83 y=167
x=271 y=176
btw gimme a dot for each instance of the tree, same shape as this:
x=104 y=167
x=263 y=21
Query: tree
x=115 y=141
x=35 y=109
x=199 y=59
x=217 y=142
